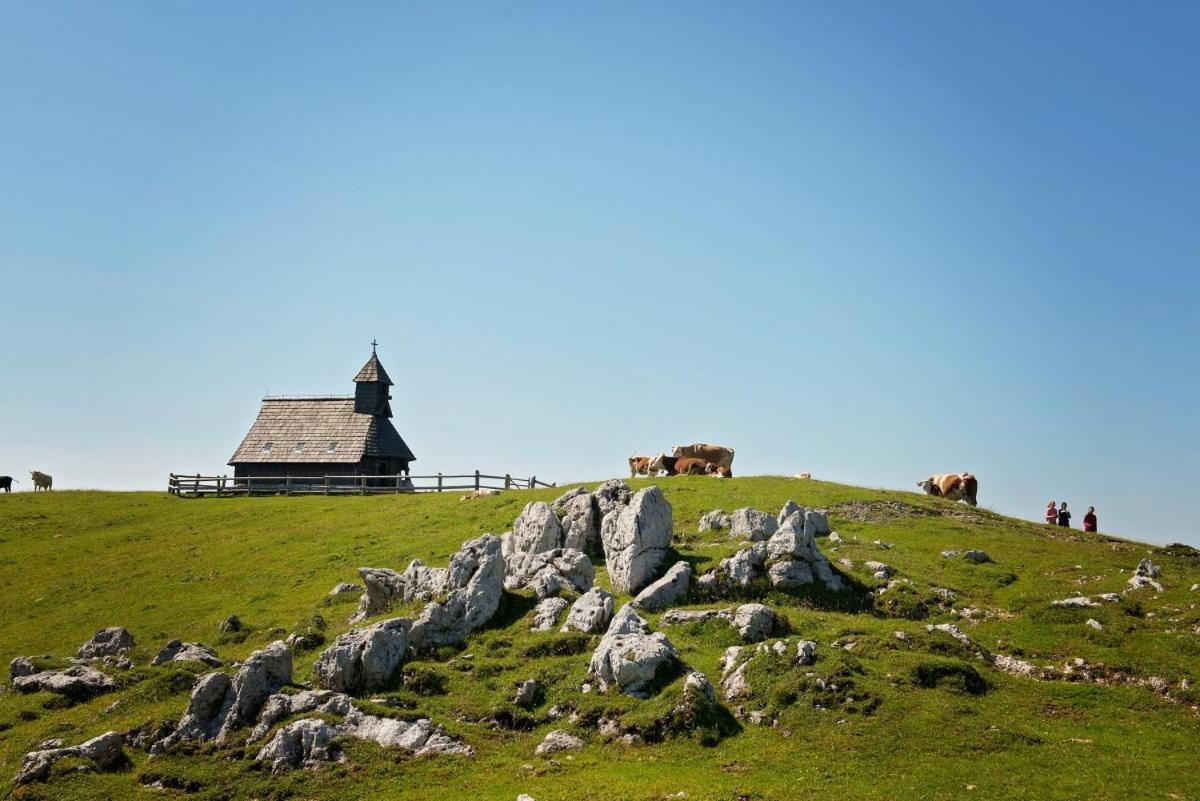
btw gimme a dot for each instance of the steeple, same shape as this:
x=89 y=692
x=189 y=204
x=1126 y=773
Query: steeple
x=371 y=387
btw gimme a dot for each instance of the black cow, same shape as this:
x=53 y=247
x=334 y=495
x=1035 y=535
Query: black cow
x=6 y=483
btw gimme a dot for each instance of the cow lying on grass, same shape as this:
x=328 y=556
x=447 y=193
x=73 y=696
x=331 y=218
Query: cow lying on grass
x=952 y=486
x=687 y=466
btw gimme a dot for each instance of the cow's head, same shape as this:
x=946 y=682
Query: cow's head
x=929 y=486
x=656 y=464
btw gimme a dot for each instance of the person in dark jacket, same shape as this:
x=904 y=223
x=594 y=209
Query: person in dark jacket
x=1064 y=517
x=1089 y=520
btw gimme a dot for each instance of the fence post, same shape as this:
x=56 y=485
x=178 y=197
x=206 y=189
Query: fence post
x=439 y=481
x=398 y=482
x=533 y=482
x=507 y=481
x=326 y=483
x=477 y=481
x=287 y=484
x=196 y=485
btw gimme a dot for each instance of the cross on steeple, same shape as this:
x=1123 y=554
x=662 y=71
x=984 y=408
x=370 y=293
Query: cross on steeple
x=373 y=344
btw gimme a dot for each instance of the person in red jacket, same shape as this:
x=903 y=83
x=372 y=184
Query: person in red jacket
x=1089 y=520
x=1051 y=514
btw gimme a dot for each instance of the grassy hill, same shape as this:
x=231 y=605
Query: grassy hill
x=917 y=718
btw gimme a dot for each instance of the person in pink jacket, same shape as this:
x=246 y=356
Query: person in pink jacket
x=1051 y=514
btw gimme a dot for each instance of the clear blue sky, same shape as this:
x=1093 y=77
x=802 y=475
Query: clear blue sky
x=867 y=240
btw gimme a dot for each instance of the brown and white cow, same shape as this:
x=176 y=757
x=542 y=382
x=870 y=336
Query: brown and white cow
x=639 y=466
x=663 y=465
x=41 y=481
x=716 y=454
x=693 y=466
x=952 y=487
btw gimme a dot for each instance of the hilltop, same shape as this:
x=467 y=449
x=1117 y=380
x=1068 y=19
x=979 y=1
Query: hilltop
x=1032 y=700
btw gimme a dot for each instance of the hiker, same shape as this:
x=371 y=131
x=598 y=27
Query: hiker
x=1064 y=517
x=1089 y=520
x=1051 y=514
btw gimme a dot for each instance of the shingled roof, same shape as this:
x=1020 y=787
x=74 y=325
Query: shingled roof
x=319 y=430
x=372 y=371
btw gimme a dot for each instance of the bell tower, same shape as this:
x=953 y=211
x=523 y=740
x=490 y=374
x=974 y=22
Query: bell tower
x=372 y=388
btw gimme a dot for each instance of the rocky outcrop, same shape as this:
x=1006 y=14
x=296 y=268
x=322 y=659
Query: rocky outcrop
x=364 y=659
x=300 y=744
x=676 y=617
x=1078 y=602
x=219 y=705
x=788 y=560
x=667 y=591
x=280 y=706
x=636 y=540
x=77 y=683
x=21 y=666
x=114 y=641
x=345 y=588
x=536 y=529
x=105 y=751
x=592 y=613
x=879 y=570
x=751 y=524
x=474 y=584
x=527 y=694
x=754 y=622
x=385 y=587
x=179 y=651
x=612 y=496
x=630 y=658
x=579 y=517
x=737 y=659
x=978 y=557
x=716 y=520
x=1144 y=576
x=548 y=573
x=309 y=741
x=545 y=615
x=558 y=740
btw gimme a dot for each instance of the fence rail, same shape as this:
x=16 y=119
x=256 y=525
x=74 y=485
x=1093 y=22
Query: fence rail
x=198 y=486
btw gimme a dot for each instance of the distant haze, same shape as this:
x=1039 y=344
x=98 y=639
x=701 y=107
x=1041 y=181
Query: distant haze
x=871 y=241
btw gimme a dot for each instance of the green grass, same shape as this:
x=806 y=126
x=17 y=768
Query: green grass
x=915 y=719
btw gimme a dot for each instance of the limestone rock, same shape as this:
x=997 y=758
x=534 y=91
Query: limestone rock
x=1078 y=602
x=536 y=529
x=301 y=743
x=978 y=557
x=733 y=674
x=790 y=508
x=716 y=520
x=422 y=737
x=474 y=584
x=219 y=705
x=77 y=683
x=612 y=495
x=364 y=659
x=21 y=666
x=806 y=652
x=179 y=651
x=114 y=641
x=879 y=569
x=548 y=573
x=636 y=543
x=668 y=590
x=545 y=615
x=592 y=613
x=385 y=587
x=580 y=519
x=345 y=588
x=751 y=524
x=559 y=740
x=280 y=706
x=527 y=694
x=1144 y=576
x=629 y=658
x=104 y=750
x=754 y=622
x=676 y=617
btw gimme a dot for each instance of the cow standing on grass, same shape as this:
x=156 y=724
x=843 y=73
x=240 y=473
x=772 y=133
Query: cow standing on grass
x=6 y=483
x=41 y=481
x=952 y=487
x=639 y=466
x=717 y=454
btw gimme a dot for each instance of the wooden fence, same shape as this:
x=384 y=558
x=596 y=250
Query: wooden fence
x=198 y=486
